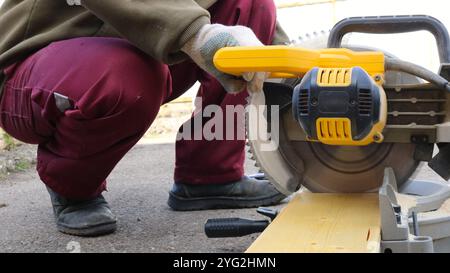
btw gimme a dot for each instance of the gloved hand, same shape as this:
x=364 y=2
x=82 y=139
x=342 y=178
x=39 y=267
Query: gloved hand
x=204 y=45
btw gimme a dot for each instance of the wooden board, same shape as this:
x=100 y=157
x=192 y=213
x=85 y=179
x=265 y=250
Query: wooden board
x=316 y=222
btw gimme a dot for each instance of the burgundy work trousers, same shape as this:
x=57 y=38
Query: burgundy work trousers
x=87 y=101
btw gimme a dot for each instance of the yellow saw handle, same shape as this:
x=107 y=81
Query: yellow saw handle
x=293 y=62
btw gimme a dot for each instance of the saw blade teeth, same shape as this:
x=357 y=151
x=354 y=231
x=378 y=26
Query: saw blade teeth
x=313 y=37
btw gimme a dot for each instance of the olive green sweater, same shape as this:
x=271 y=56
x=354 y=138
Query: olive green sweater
x=158 y=27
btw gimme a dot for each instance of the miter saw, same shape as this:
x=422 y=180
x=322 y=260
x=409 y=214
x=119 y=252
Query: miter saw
x=351 y=121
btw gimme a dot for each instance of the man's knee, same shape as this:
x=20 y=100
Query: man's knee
x=267 y=7
x=259 y=15
x=245 y=6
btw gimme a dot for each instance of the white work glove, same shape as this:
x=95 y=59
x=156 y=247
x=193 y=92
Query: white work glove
x=204 y=45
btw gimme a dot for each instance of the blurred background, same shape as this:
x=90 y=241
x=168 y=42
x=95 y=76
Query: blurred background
x=303 y=20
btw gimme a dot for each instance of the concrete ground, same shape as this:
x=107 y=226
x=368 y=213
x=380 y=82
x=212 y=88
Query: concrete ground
x=137 y=193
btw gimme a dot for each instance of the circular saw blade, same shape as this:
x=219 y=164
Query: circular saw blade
x=354 y=169
x=319 y=167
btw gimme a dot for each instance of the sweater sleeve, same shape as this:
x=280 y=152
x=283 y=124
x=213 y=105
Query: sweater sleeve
x=158 y=27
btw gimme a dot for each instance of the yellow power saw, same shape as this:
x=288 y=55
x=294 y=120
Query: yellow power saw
x=347 y=114
x=347 y=120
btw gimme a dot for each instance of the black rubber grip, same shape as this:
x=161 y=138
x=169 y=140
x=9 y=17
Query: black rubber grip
x=233 y=227
x=393 y=24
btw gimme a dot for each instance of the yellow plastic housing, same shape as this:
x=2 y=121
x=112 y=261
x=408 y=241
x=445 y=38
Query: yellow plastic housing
x=335 y=70
x=338 y=131
x=337 y=77
x=292 y=62
x=334 y=131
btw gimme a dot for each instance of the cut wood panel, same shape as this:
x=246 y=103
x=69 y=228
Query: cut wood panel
x=323 y=222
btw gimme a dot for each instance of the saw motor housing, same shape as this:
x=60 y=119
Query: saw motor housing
x=341 y=106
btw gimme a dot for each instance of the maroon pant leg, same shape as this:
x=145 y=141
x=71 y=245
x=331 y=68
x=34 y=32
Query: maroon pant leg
x=116 y=92
x=220 y=161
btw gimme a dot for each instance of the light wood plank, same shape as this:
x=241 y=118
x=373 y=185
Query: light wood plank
x=316 y=222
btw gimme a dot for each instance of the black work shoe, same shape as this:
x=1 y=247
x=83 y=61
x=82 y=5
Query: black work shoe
x=245 y=193
x=83 y=218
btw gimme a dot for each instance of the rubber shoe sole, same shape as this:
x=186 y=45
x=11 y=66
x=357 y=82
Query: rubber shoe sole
x=95 y=231
x=179 y=203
